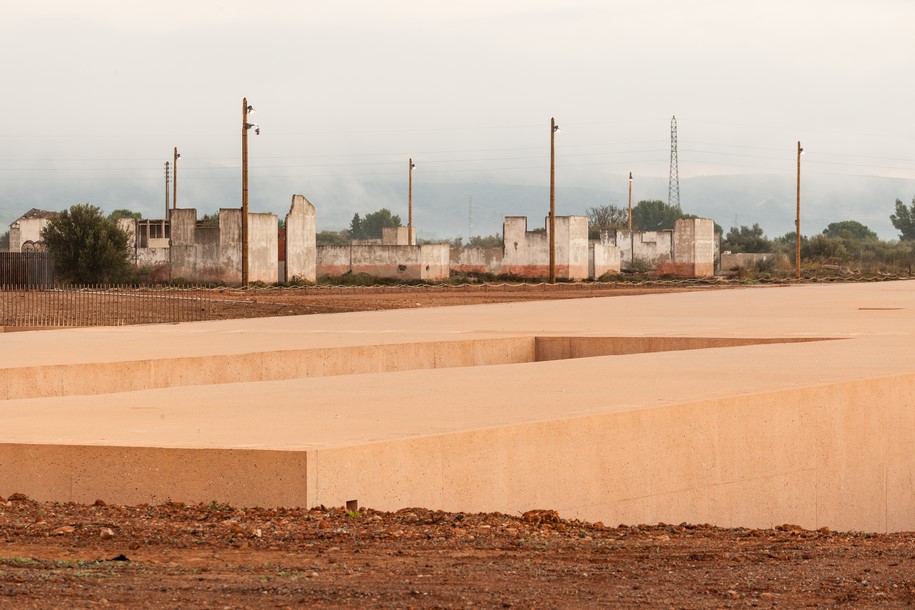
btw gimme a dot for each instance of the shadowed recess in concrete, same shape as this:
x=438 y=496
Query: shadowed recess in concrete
x=124 y=376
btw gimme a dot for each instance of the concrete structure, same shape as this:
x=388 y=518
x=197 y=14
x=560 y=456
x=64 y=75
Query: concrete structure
x=689 y=249
x=476 y=260
x=748 y=407
x=25 y=231
x=527 y=253
x=301 y=254
x=426 y=262
x=211 y=254
x=693 y=249
x=603 y=259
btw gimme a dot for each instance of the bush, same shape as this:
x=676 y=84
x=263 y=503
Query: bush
x=88 y=248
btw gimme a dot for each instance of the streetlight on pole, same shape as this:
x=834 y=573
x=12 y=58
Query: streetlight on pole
x=175 y=180
x=410 y=205
x=630 y=202
x=797 y=221
x=553 y=129
x=245 y=126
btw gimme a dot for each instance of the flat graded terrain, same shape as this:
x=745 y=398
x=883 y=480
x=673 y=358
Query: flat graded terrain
x=213 y=555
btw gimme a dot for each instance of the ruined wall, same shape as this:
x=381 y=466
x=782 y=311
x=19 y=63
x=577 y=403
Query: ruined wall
x=527 y=253
x=398 y=236
x=429 y=262
x=230 y=244
x=263 y=246
x=603 y=259
x=476 y=260
x=693 y=249
x=301 y=253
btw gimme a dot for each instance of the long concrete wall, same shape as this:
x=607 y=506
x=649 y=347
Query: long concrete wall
x=426 y=262
x=476 y=260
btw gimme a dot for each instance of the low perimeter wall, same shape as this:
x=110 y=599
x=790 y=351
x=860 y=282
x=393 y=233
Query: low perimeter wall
x=427 y=262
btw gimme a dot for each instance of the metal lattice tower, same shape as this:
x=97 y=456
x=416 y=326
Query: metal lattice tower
x=673 y=184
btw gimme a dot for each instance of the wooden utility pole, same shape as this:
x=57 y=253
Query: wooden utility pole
x=797 y=222
x=630 y=202
x=175 y=180
x=553 y=129
x=410 y=204
x=244 y=192
x=166 y=190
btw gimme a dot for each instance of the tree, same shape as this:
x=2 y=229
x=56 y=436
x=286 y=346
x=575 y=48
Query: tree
x=370 y=227
x=605 y=218
x=849 y=229
x=124 y=213
x=655 y=215
x=88 y=248
x=210 y=221
x=747 y=239
x=904 y=220
x=331 y=238
x=5 y=241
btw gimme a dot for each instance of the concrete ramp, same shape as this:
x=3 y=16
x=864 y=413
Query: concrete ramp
x=749 y=407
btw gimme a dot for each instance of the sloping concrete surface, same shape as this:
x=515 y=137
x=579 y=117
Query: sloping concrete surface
x=814 y=433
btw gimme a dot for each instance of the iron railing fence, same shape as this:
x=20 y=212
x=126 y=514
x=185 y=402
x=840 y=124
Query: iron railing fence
x=102 y=305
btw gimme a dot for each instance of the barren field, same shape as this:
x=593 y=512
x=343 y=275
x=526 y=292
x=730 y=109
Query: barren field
x=175 y=556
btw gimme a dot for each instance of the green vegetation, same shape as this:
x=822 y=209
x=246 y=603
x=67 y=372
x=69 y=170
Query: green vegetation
x=124 y=213
x=332 y=238
x=904 y=220
x=655 y=215
x=370 y=227
x=5 y=241
x=88 y=248
x=478 y=241
x=746 y=239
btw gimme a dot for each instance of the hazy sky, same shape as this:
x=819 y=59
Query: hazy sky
x=97 y=93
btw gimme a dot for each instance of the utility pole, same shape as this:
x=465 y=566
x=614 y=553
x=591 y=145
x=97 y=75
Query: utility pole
x=410 y=204
x=166 y=190
x=630 y=202
x=797 y=222
x=553 y=129
x=175 y=180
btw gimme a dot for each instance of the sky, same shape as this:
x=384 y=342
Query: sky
x=98 y=93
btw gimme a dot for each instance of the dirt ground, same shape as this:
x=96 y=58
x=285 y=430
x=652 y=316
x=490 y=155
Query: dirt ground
x=215 y=556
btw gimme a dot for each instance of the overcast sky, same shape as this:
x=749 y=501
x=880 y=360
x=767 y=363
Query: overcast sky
x=97 y=93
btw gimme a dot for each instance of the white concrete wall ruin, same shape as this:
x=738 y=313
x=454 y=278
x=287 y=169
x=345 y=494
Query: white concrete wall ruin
x=476 y=260
x=427 y=262
x=745 y=260
x=301 y=253
x=603 y=259
x=263 y=248
x=693 y=249
x=527 y=253
x=25 y=232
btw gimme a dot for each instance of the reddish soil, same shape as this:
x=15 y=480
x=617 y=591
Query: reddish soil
x=175 y=556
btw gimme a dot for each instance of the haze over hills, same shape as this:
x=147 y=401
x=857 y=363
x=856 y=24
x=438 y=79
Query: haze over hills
x=451 y=209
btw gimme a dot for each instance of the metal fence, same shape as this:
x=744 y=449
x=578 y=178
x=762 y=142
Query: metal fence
x=28 y=269
x=25 y=306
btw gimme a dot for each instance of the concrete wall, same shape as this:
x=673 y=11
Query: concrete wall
x=527 y=253
x=301 y=253
x=603 y=259
x=263 y=245
x=428 y=262
x=693 y=249
x=230 y=244
x=398 y=236
x=476 y=260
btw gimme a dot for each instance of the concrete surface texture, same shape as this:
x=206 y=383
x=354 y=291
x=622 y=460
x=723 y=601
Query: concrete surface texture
x=750 y=407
